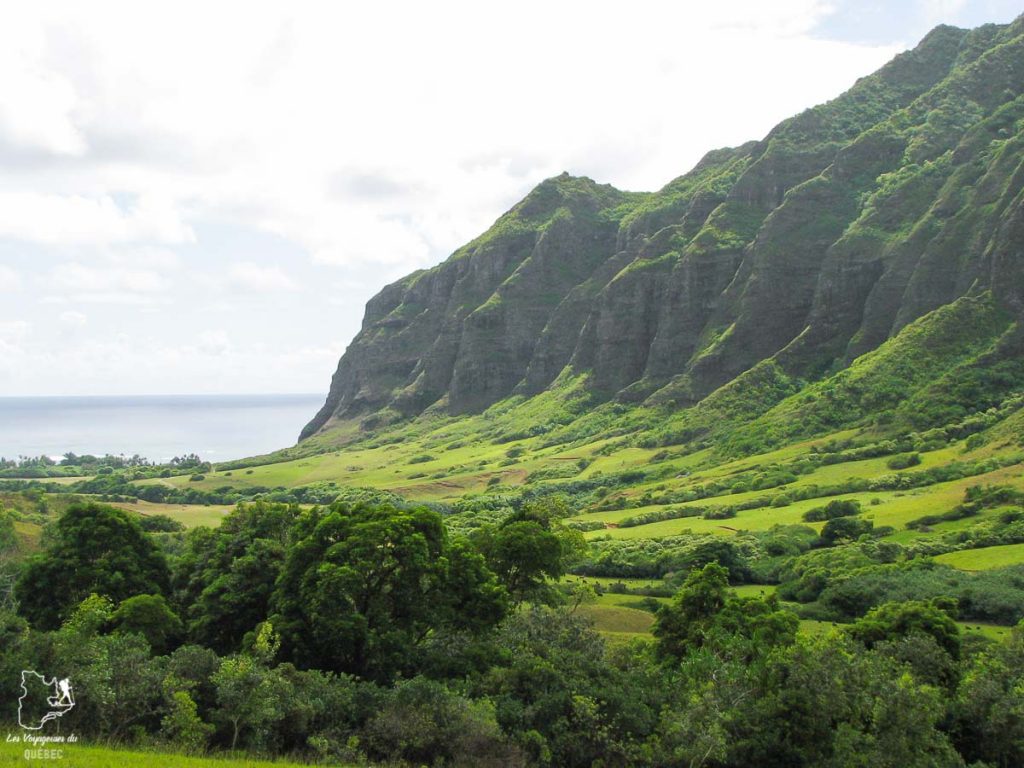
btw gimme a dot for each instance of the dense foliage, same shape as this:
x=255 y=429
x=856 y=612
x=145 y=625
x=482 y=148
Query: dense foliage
x=367 y=632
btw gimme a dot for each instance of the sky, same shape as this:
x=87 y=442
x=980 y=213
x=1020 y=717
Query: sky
x=200 y=197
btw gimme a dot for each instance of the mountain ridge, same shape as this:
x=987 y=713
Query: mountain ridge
x=810 y=248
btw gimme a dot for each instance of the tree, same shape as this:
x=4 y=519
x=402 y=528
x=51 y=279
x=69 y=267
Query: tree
x=122 y=680
x=562 y=697
x=524 y=555
x=703 y=614
x=686 y=621
x=151 y=617
x=248 y=692
x=718 y=550
x=825 y=701
x=530 y=547
x=247 y=696
x=182 y=725
x=93 y=549
x=421 y=722
x=989 y=707
x=834 y=509
x=364 y=585
x=891 y=621
x=226 y=577
x=845 y=529
x=8 y=553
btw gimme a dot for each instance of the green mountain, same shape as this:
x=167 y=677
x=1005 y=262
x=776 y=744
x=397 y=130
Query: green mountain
x=872 y=242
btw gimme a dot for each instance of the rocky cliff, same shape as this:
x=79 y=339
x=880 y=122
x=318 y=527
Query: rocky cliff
x=810 y=247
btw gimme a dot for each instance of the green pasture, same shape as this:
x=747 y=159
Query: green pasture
x=617 y=618
x=984 y=559
x=190 y=515
x=893 y=508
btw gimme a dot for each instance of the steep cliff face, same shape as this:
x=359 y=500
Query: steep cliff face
x=810 y=248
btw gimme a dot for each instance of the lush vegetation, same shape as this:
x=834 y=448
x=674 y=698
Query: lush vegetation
x=368 y=632
x=650 y=519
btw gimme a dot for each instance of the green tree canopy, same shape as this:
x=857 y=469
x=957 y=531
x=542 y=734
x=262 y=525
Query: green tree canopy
x=530 y=547
x=92 y=549
x=845 y=529
x=151 y=617
x=890 y=621
x=226 y=577
x=364 y=585
x=704 y=614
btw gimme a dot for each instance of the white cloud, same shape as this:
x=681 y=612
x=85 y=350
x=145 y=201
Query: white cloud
x=10 y=280
x=159 y=259
x=14 y=331
x=13 y=348
x=36 y=113
x=214 y=343
x=253 y=277
x=73 y=319
x=55 y=219
x=81 y=279
x=295 y=146
x=270 y=120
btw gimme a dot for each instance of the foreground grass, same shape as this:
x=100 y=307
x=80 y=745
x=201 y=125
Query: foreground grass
x=83 y=756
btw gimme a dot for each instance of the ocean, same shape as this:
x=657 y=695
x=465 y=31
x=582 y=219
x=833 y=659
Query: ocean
x=216 y=427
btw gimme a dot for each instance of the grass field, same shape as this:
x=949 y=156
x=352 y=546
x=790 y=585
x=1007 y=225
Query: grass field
x=54 y=480
x=754 y=590
x=984 y=559
x=617 y=618
x=991 y=631
x=605 y=582
x=893 y=508
x=29 y=536
x=189 y=515
x=82 y=756
x=814 y=627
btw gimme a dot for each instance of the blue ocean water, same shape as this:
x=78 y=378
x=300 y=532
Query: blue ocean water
x=217 y=427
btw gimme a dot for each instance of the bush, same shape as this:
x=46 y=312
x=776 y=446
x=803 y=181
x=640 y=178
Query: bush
x=833 y=510
x=842 y=528
x=182 y=726
x=904 y=460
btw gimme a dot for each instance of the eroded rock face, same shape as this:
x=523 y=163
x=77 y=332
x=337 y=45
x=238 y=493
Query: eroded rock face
x=812 y=246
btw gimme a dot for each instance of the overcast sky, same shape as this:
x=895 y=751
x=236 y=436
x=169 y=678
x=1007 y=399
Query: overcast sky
x=200 y=197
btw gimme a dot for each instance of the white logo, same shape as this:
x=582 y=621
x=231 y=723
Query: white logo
x=42 y=700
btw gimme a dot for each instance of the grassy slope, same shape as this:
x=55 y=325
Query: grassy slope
x=445 y=459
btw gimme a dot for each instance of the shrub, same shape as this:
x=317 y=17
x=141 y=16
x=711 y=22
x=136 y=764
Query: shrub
x=841 y=528
x=904 y=460
x=182 y=726
x=834 y=509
